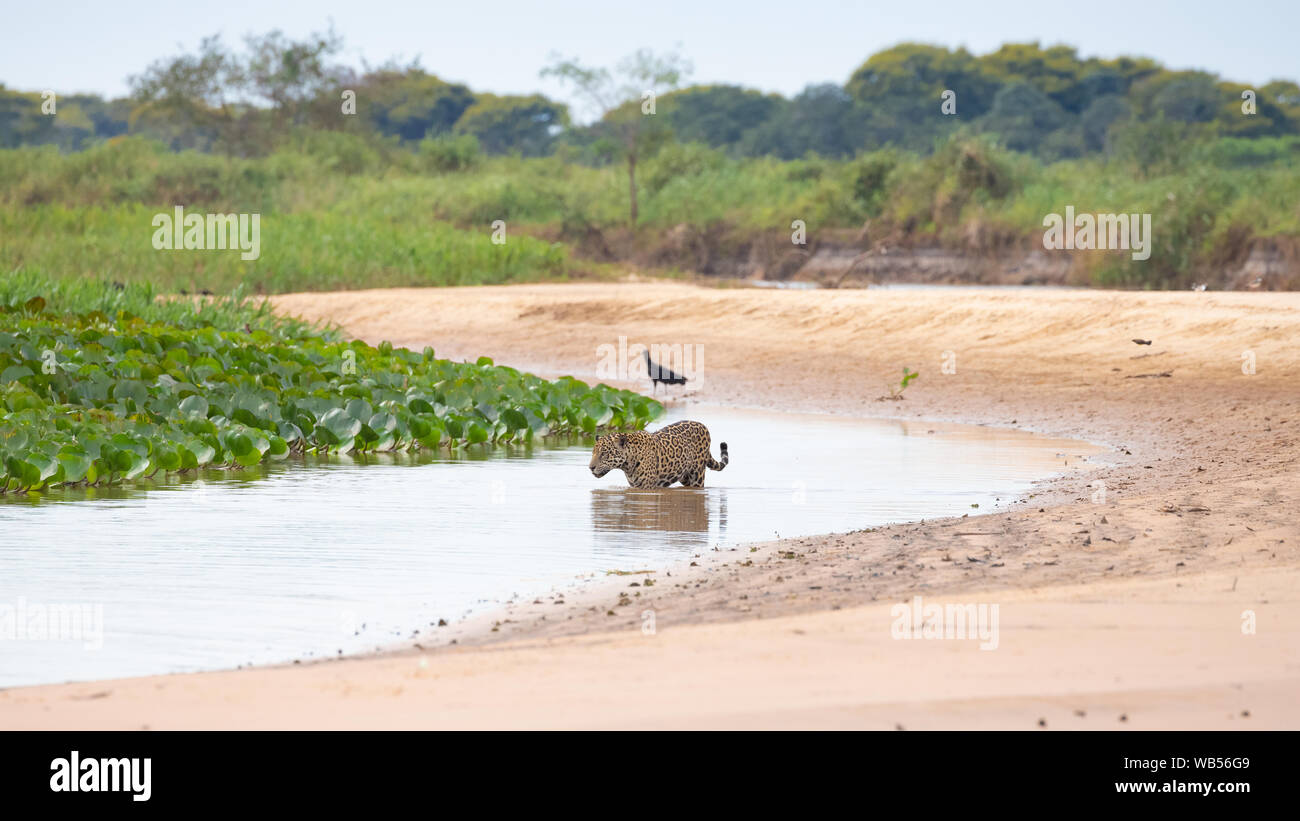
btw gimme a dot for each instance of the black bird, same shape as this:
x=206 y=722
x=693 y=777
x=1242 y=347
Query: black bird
x=661 y=375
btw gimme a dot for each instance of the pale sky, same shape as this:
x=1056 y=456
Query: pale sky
x=500 y=45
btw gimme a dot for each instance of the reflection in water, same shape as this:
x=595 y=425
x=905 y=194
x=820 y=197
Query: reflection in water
x=672 y=510
x=310 y=557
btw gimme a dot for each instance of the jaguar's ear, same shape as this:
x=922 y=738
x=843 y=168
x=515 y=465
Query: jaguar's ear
x=622 y=440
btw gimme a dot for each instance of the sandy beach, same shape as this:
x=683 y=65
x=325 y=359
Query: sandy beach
x=1159 y=588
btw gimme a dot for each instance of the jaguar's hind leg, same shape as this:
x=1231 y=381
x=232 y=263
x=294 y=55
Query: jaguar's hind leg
x=693 y=478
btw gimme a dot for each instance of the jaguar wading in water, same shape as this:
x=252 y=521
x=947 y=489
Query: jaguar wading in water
x=677 y=453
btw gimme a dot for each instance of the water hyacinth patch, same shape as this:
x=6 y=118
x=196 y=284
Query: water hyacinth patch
x=91 y=399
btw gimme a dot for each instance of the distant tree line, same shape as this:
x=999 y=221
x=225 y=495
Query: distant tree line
x=1049 y=102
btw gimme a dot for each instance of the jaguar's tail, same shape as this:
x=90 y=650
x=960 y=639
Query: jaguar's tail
x=725 y=458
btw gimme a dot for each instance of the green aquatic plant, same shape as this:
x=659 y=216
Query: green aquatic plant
x=896 y=391
x=89 y=398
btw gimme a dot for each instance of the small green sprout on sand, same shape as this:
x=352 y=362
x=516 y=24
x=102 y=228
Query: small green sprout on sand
x=896 y=392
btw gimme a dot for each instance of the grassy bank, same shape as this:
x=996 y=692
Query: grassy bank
x=343 y=213
x=314 y=250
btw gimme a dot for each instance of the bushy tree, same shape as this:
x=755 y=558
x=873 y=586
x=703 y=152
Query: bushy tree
x=627 y=99
x=1096 y=121
x=718 y=115
x=243 y=102
x=289 y=75
x=191 y=100
x=1191 y=97
x=911 y=77
x=1022 y=116
x=1057 y=71
x=1151 y=147
x=501 y=125
x=819 y=120
x=409 y=103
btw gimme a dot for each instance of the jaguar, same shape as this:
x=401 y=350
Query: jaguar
x=676 y=453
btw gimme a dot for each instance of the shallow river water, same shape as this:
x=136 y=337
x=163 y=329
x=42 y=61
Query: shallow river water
x=310 y=557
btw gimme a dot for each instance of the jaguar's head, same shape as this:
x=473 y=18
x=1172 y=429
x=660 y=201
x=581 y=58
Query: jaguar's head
x=609 y=454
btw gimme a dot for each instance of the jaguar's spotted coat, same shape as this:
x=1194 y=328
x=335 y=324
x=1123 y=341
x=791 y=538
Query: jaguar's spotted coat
x=677 y=453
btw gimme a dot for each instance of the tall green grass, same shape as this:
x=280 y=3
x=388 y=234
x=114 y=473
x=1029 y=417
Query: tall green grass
x=339 y=212
x=298 y=251
x=29 y=290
